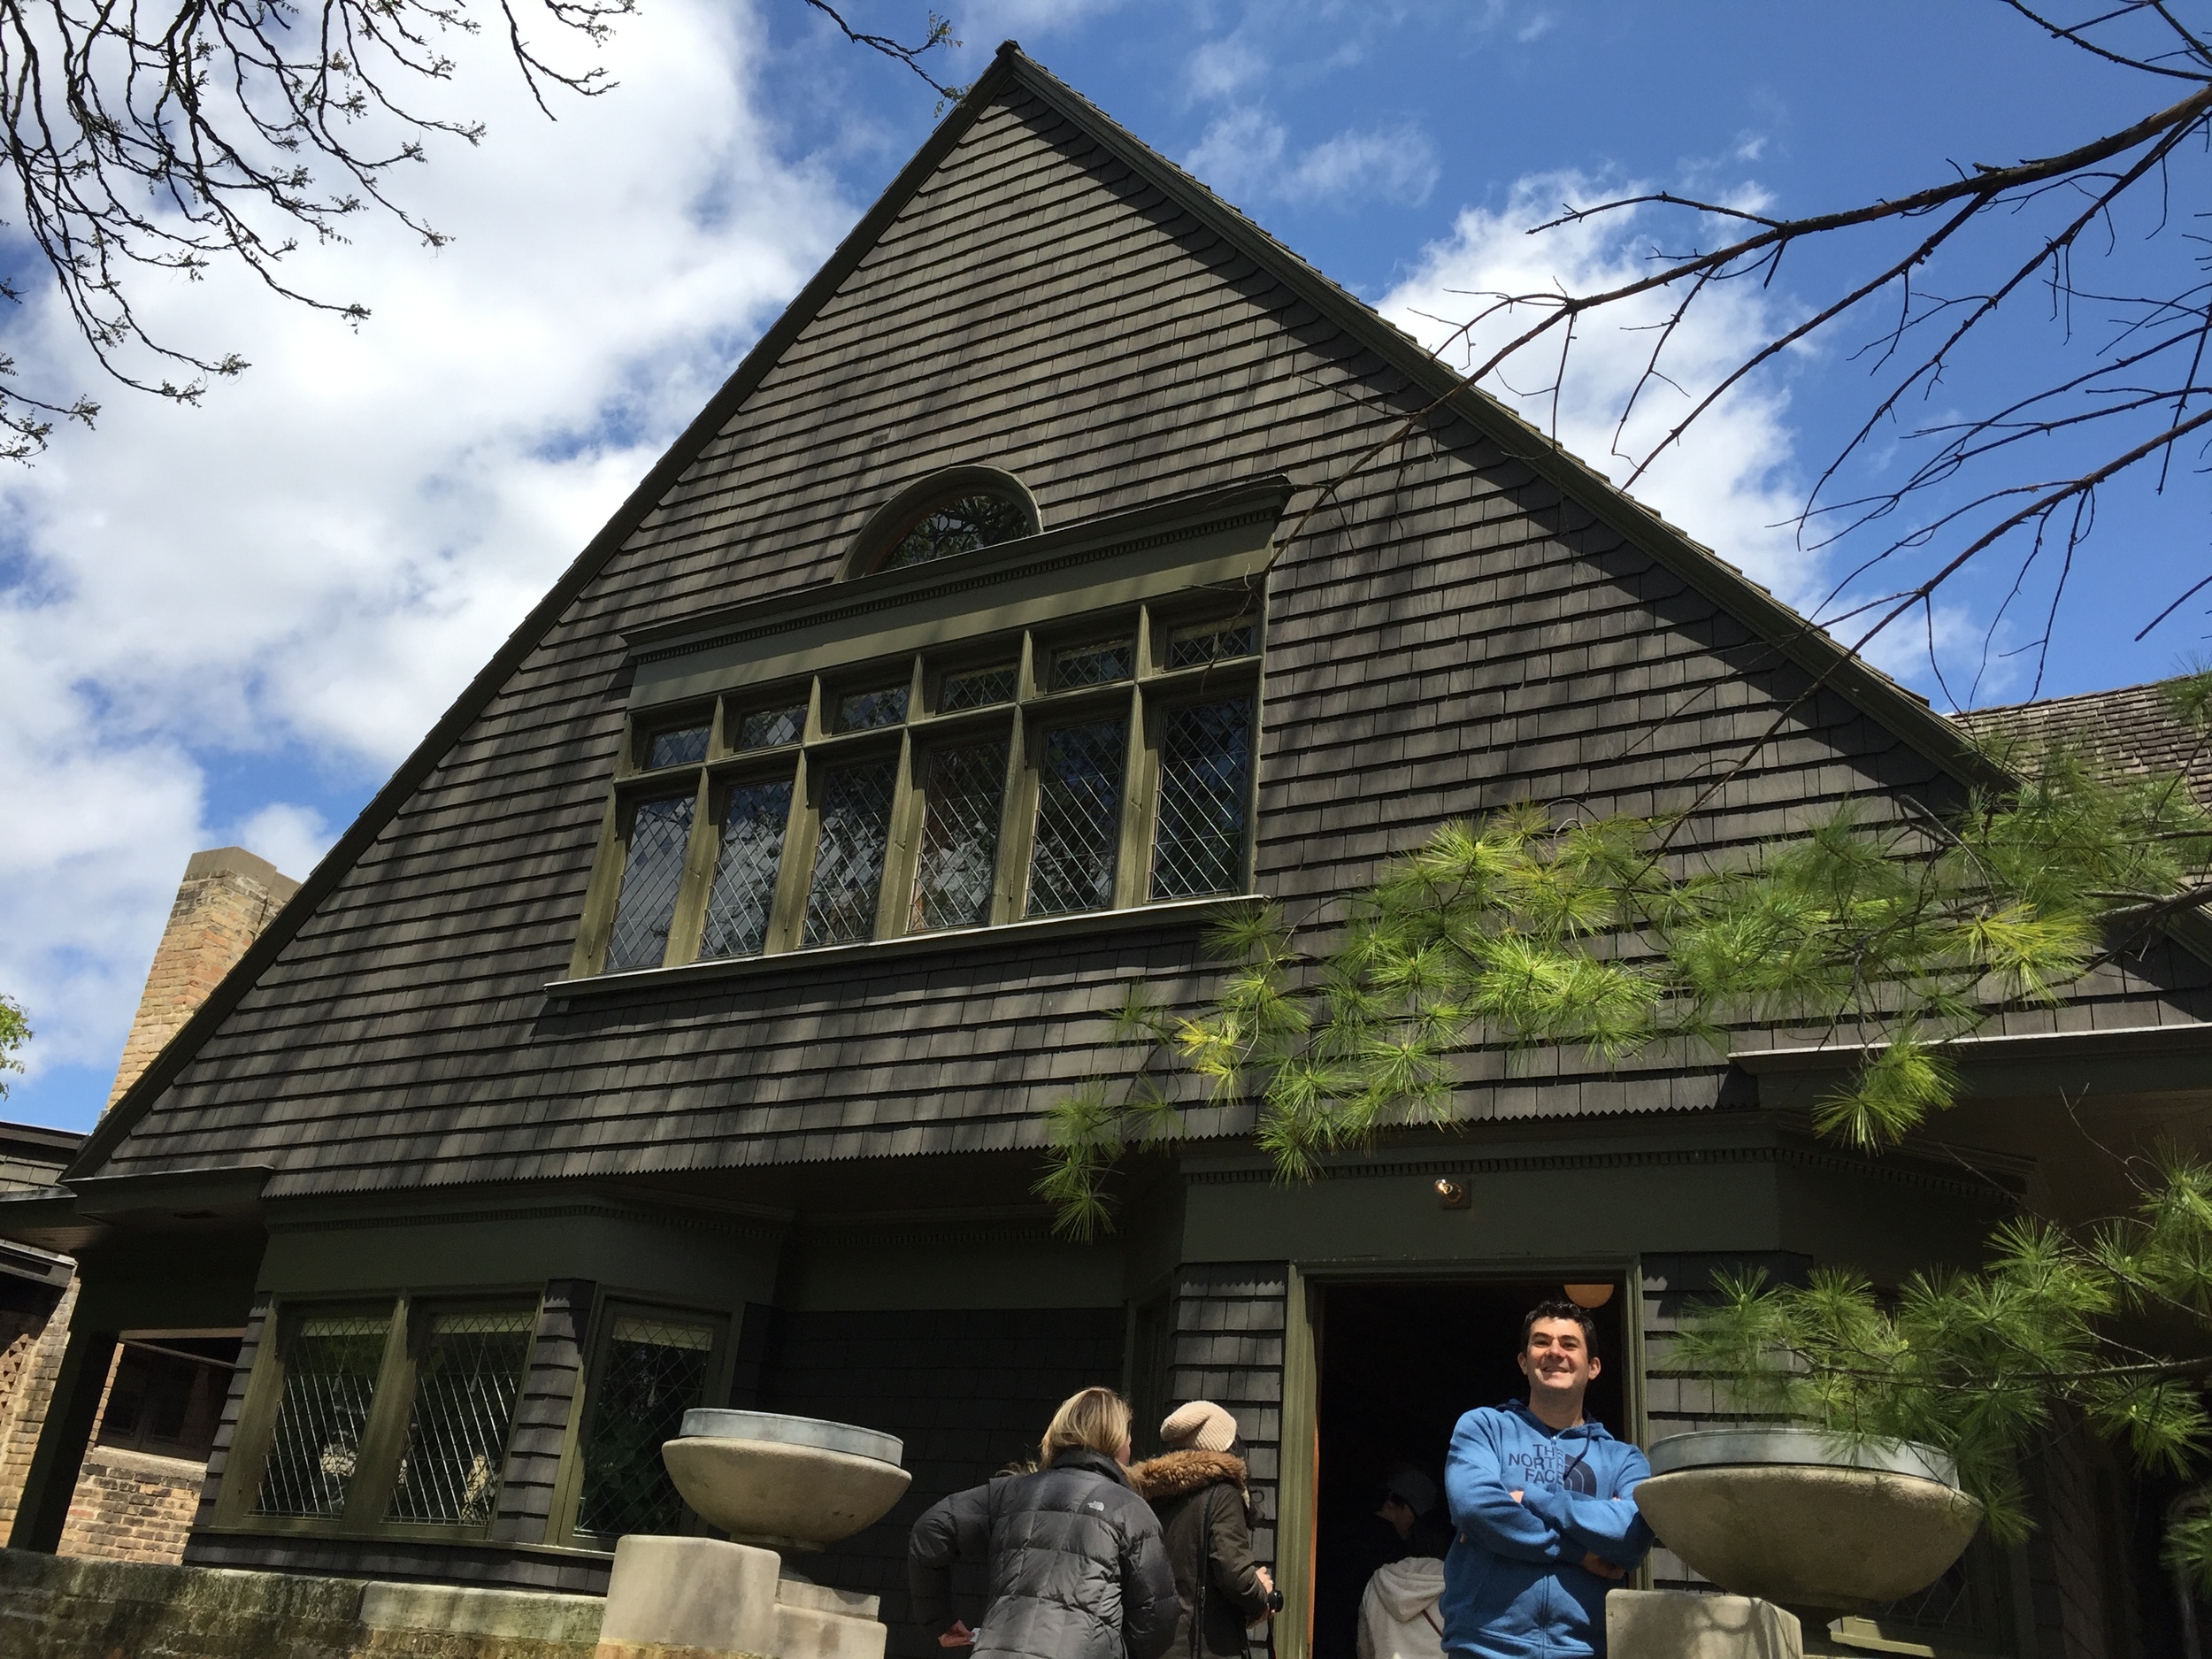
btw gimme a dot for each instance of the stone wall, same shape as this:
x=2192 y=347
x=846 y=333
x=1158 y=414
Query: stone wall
x=31 y=1345
x=52 y=1607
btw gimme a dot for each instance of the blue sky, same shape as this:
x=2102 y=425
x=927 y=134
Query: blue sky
x=229 y=624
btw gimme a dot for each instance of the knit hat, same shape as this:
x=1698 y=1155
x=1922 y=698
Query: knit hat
x=1199 y=1426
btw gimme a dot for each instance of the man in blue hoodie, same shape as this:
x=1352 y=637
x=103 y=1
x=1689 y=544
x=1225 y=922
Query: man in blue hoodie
x=1543 y=1503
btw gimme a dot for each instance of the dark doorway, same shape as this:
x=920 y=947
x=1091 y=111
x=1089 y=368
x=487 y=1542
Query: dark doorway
x=1400 y=1362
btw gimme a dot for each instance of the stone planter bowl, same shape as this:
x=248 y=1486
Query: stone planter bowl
x=782 y=1482
x=1807 y=1519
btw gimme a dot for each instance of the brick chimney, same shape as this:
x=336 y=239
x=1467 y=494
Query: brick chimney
x=226 y=899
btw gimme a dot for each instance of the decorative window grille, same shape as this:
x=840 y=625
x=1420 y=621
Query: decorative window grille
x=1212 y=643
x=1078 y=817
x=1205 y=778
x=979 y=688
x=330 y=1369
x=654 y=1370
x=865 y=710
x=744 y=891
x=772 y=728
x=963 y=526
x=651 y=878
x=1101 y=665
x=466 y=1382
x=960 y=822
x=849 y=853
x=684 y=746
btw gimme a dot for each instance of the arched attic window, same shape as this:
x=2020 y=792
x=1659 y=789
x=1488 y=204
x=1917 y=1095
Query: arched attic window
x=958 y=511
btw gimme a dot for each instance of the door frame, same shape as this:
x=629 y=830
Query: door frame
x=1298 y=1473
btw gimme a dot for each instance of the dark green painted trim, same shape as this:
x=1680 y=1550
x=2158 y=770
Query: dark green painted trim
x=650 y=981
x=349 y=848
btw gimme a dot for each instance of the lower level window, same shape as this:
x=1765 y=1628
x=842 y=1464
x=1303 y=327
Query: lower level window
x=653 y=1369
x=330 y=1366
x=467 y=1378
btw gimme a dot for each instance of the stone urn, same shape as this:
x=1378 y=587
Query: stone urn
x=1809 y=1519
x=781 y=1482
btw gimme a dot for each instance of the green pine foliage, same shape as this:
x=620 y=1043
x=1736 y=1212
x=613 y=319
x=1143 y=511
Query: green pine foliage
x=1892 y=933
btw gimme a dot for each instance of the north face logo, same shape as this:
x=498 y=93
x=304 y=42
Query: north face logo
x=1095 y=1504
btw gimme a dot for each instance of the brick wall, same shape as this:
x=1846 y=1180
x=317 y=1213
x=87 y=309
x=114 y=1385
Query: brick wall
x=132 y=1506
x=31 y=1347
x=226 y=899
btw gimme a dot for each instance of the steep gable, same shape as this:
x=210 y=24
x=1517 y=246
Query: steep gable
x=1474 y=621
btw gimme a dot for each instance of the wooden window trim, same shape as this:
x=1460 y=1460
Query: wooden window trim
x=1142 y=700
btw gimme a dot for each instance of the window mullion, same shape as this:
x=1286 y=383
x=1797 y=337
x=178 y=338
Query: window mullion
x=604 y=891
x=1017 y=813
x=1136 y=805
x=788 y=916
x=699 y=857
x=384 y=1436
x=895 y=898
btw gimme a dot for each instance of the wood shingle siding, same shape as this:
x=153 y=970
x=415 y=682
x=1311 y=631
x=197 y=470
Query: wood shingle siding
x=1471 y=622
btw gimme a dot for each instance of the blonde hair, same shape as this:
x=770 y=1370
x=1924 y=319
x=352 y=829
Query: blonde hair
x=1096 y=1417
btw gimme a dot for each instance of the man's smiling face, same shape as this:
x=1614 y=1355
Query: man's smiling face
x=1558 y=1364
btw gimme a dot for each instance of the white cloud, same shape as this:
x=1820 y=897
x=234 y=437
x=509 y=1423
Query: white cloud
x=1245 y=154
x=1730 y=483
x=316 y=560
x=292 y=837
x=1222 y=68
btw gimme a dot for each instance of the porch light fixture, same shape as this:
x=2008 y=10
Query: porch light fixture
x=1449 y=1194
x=1589 y=1295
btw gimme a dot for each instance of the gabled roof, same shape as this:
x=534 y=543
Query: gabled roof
x=2134 y=727
x=399 y=831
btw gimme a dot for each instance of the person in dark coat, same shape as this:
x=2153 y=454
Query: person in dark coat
x=1197 y=1489
x=1076 y=1565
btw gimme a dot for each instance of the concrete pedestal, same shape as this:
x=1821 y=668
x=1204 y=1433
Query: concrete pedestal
x=1677 y=1624
x=700 y=1597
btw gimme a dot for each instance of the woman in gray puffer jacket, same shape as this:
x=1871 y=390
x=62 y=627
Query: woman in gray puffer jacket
x=1077 y=1568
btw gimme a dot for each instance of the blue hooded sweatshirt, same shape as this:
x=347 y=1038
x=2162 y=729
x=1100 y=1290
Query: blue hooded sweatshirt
x=1515 y=1586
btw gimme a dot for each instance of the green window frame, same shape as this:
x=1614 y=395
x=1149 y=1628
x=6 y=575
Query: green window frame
x=390 y=1417
x=1125 y=744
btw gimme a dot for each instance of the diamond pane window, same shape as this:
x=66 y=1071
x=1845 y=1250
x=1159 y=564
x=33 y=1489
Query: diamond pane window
x=330 y=1367
x=1078 y=817
x=864 y=711
x=1092 y=665
x=952 y=881
x=849 y=853
x=962 y=525
x=651 y=875
x=466 y=1383
x=656 y=1371
x=753 y=819
x=1210 y=642
x=1205 y=770
x=979 y=688
x=685 y=746
x=772 y=728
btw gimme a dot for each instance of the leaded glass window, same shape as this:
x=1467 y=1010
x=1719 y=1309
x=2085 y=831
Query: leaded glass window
x=330 y=1365
x=654 y=1370
x=1100 y=665
x=772 y=728
x=962 y=525
x=681 y=746
x=652 y=875
x=1212 y=643
x=466 y=1382
x=1078 y=817
x=864 y=710
x=744 y=891
x=1205 y=778
x=848 y=852
x=979 y=688
x=960 y=820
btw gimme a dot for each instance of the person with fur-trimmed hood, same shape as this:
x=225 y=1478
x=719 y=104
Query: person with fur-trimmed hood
x=1197 y=1489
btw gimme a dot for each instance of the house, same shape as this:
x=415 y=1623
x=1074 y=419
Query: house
x=675 y=1027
